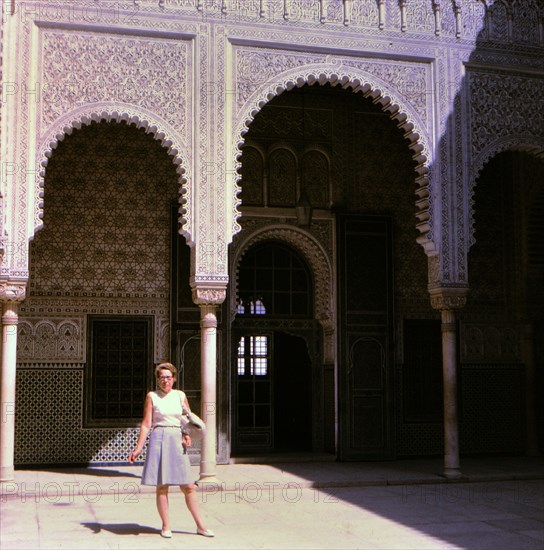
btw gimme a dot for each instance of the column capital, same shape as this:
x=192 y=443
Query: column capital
x=206 y=294
x=11 y=291
x=448 y=298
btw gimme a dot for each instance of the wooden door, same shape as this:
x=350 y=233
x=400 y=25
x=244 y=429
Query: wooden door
x=365 y=310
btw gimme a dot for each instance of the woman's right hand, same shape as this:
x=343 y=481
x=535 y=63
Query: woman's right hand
x=134 y=455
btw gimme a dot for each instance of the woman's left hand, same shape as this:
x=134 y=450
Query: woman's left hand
x=187 y=440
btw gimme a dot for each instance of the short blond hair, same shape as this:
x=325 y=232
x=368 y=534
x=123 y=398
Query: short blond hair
x=165 y=366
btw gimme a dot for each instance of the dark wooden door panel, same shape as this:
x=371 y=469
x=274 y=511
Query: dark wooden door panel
x=365 y=317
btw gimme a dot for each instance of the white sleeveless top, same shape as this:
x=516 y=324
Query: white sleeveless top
x=167 y=407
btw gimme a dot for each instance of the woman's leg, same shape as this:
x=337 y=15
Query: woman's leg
x=192 y=504
x=162 y=505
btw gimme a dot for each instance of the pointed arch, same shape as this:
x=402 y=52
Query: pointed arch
x=380 y=92
x=138 y=118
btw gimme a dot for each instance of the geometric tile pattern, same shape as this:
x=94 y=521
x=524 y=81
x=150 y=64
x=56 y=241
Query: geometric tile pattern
x=486 y=424
x=495 y=416
x=49 y=422
x=415 y=439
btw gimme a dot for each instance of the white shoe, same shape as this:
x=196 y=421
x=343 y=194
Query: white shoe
x=205 y=532
x=166 y=533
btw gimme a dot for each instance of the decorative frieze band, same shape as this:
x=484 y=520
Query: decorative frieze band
x=51 y=340
x=63 y=340
x=490 y=343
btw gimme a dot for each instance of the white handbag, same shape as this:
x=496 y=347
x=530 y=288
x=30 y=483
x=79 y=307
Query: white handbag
x=192 y=425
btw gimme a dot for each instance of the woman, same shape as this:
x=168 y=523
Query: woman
x=167 y=462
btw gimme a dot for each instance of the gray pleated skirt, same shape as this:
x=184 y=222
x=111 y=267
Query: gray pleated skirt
x=166 y=461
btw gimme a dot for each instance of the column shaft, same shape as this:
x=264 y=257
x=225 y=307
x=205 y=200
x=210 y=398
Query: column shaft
x=7 y=390
x=449 y=368
x=208 y=343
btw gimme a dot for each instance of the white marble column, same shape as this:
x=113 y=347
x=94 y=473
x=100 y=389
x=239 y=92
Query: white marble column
x=208 y=348
x=452 y=467
x=7 y=388
x=447 y=300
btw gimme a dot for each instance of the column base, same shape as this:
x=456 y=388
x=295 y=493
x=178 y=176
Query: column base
x=208 y=483
x=452 y=473
x=7 y=474
x=207 y=473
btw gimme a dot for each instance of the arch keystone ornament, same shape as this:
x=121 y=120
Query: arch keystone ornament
x=447 y=300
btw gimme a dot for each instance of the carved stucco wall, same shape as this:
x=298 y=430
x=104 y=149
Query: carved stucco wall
x=141 y=80
x=173 y=33
x=507 y=113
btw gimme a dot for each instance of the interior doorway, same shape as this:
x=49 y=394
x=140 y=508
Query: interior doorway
x=273 y=380
x=273 y=393
x=292 y=394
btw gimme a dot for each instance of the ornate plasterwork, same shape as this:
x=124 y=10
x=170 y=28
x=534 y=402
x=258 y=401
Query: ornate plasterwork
x=258 y=79
x=209 y=296
x=84 y=68
x=12 y=291
x=35 y=312
x=490 y=343
x=501 y=120
x=143 y=81
x=499 y=107
x=448 y=298
x=51 y=340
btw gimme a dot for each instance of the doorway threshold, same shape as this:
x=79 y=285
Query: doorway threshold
x=274 y=458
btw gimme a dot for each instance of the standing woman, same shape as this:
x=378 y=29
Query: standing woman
x=167 y=462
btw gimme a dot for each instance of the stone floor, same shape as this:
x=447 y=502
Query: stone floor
x=499 y=503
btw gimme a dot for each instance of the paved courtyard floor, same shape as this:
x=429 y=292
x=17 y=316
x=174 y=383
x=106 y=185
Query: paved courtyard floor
x=499 y=504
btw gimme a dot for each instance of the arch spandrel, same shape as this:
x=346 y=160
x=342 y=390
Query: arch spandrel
x=136 y=117
x=379 y=91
